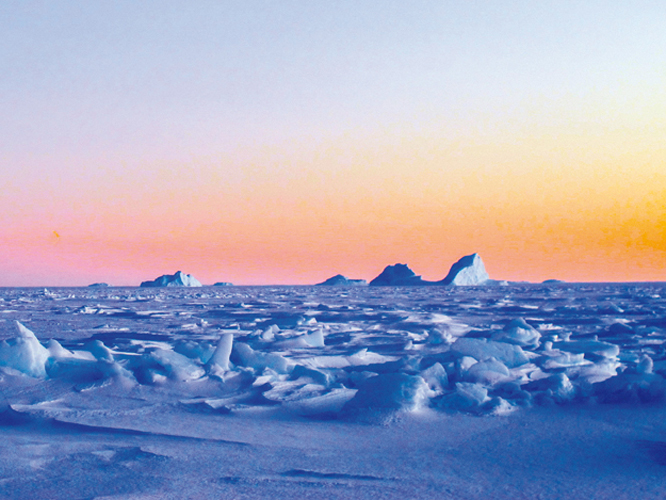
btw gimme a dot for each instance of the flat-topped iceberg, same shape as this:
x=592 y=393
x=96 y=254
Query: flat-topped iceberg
x=178 y=279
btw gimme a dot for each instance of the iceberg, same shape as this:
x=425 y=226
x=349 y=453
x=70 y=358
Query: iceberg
x=178 y=279
x=398 y=275
x=468 y=271
x=340 y=280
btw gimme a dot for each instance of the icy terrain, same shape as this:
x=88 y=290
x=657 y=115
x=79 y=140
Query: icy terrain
x=522 y=391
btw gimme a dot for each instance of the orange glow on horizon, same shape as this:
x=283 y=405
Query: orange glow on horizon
x=576 y=207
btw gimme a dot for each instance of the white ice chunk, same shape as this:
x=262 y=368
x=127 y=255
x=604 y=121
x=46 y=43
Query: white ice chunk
x=598 y=372
x=463 y=364
x=323 y=406
x=509 y=354
x=260 y=360
x=56 y=350
x=557 y=387
x=315 y=339
x=177 y=366
x=388 y=393
x=317 y=376
x=519 y=332
x=488 y=372
x=99 y=350
x=24 y=353
x=220 y=358
x=269 y=333
x=467 y=397
x=597 y=347
x=202 y=351
x=553 y=359
x=436 y=378
x=360 y=358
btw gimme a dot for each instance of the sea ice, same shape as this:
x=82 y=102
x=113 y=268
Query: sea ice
x=381 y=396
x=480 y=349
x=219 y=361
x=24 y=353
x=519 y=332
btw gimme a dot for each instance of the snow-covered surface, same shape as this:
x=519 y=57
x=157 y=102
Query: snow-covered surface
x=533 y=391
x=177 y=279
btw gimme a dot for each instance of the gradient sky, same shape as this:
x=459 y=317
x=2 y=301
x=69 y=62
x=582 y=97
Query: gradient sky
x=266 y=142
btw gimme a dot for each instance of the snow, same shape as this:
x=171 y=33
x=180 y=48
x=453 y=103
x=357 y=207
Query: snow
x=523 y=391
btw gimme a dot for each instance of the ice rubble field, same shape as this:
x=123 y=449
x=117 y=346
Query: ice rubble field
x=522 y=391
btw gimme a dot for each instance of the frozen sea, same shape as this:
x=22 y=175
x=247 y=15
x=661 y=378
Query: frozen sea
x=550 y=391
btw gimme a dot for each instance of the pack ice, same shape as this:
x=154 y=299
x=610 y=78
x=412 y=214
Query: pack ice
x=292 y=347
x=279 y=383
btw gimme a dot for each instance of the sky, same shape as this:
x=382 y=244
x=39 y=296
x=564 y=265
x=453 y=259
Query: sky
x=283 y=142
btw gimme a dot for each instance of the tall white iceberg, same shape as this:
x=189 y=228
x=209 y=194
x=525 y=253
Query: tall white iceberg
x=468 y=271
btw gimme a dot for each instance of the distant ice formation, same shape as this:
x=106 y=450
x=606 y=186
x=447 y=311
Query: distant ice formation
x=178 y=279
x=398 y=275
x=223 y=283
x=468 y=271
x=98 y=285
x=340 y=280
